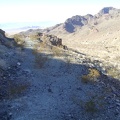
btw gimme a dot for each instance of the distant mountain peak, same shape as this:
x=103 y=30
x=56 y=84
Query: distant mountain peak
x=80 y=21
x=77 y=20
x=107 y=10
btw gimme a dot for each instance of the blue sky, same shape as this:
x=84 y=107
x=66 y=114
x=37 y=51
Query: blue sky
x=49 y=10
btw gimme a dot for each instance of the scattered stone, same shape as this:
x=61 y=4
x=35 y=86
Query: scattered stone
x=18 y=63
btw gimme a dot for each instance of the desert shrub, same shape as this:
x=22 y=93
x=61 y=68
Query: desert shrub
x=68 y=61
x=40 y=59
x=90 y=106
x=91 y=76
x=16 y=90
x=93 y=103
x=19 y=40
x=9 y=89
x=33 y=36
x=42 y=47
x=56 y=51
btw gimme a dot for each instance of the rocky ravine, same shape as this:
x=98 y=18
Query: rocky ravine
x=50 y=85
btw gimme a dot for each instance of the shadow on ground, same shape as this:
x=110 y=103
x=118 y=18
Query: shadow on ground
x=39 y=86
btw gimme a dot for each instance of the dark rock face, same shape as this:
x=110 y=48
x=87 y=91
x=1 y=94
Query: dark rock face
x=69 y=27
x=77 y=20
x=2 y=32
x=109 y=11
x=106 y=10
x=56 y=41
x=4 y=40
x=50 y=39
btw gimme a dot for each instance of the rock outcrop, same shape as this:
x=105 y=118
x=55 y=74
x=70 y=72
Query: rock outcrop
x=2 y=32
x=77 y=20
x=4 y=40
x=51 y=40
x=109 y=10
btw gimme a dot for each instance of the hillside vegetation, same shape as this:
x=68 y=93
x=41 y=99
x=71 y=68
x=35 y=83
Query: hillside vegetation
x=66 y=72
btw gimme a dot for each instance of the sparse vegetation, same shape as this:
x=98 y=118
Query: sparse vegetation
x=16 y=90
x=52 y=70
x=90 y=106
x=91 y=76
x=9 y=89
x=68 y=62
x=19 y=41
x=93 y=104
x=56 y=51
x=33 y=36
x=40 y=59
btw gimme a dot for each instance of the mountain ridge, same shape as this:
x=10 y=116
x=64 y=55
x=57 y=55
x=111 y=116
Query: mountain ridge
x=88 y=33
x=79 y=21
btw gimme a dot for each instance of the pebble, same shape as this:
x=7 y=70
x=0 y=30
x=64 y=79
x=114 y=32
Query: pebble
x=18 y=63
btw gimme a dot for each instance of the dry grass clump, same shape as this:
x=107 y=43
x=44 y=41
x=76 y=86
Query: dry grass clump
x=90 y=106
x=15 y=90
x=40 y=61
x=43 y=46
x=33 y=36
x=56 y=51
x=11 y=89
x=95 y=104
x=91 y=76
x=18 y=38
x=19 y=41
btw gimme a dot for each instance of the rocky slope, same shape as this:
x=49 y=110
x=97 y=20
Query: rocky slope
x=71 y=24
x=96 y=36
x=47 y=82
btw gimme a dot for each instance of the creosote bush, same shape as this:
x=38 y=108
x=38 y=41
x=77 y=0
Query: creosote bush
x=91 y=76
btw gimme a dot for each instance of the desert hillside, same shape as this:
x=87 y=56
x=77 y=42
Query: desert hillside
x=97 y=35
x=66 y=72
